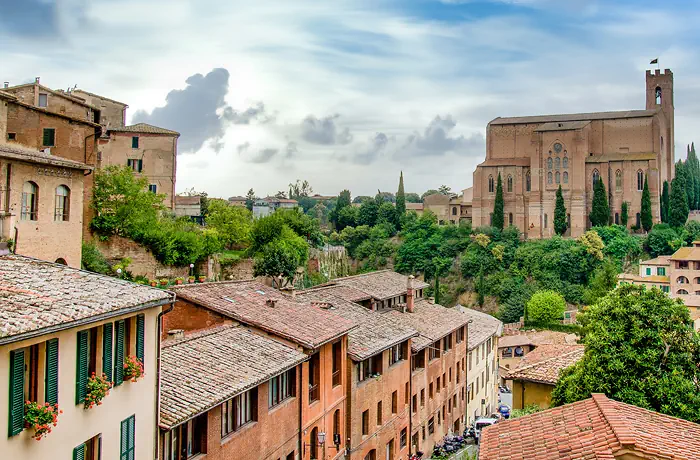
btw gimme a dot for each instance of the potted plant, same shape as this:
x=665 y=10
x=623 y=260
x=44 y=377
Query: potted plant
x=163 y=282
x=179 y=280
x=153 y=283
x=97 y=388
x=202 y=278
x=190 y=279
x=133 y=368
x=41 y=417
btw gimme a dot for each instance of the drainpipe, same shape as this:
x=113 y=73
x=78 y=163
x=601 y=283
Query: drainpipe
x=159 y=329
x=301 y=400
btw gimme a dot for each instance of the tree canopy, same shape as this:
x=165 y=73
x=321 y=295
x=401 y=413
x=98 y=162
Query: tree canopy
x=400 y=198
x=646 y=207
x=678 y=202
x=560 y=221
x=600 y=212
x=232 y=223
x=498 y=219
x=545 y=307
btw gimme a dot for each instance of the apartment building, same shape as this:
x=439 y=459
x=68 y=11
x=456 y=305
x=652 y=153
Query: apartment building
x=58 y=327
x=312 y=328
x=41 y=203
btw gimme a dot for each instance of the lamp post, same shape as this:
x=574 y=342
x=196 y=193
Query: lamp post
x=191 y=269
x=322 y=442
x=119 y=273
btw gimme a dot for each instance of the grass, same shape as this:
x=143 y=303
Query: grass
x=231 y=256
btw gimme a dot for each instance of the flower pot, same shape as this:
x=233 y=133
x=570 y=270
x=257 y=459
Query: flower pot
x=190 y=280
x=202 y=279
x=178 y=281
x=154 y=284
x=163 y=283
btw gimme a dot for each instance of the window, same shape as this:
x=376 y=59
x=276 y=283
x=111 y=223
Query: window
x=450 y=374
x=407 y=393
x=30 y=201
x=379 y=413
x=549 y=178
x=566 y=177
x=423 y=432
x=127 y=450
x=557 y=163
x=528 y=182
x=414 y=440
x=490 y=184
x=439 y=418
x=414 y=400
x=314 y=377
x=549 y=163
x=62 y=209
x=435 y=350
x=281 y=388
x=422 y=397
x=187 y=440
x=557 y=177
x=153 y=188
x=510 y=218
x=337 y=360
x=648 y=271
x=370 y=367
x=454 y=211
x=430 y=390
x=135 y=142
x=336 y=424
x=447 y=343
x=509 y=183
x=657 y=94
x=135 y=164
x=371 y=455
x=403 y=438
x=665 y=289
x=11 y=136
x=565 y=162
x=545 y=226
x=682 y=291
x=365 y=422
x=460 y=334
x=390 y=450
x=397 y=353
x=90 y=449
x=49 y=137
x=437 y=387
x=43 y=100
x=661 y=271
x=431 y=425
x=682 y=280
x=617 y=218
x=239 y=411
x=596 y=177
x=418 y=361
x=639 y=220
x=618 y=181
x=395 y=402
x=640 y=180
x=313 y=442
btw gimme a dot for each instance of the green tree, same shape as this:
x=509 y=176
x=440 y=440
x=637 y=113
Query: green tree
x=665 y=201
x=560 y=214
x=678 y=203
x=600 y=212
x=696 y=173
x=624 y=217
x=368 y=213
x=387 y=213
x=93 y=260
x=342 y=202
x=250 y=199
x=440 y=266
x=646 y=207
x=413 y=198
x=641 y=349
x=445 y=190
x=347 y=217
x=300 y=189
x=428 y=193
x=545 y=307
x=233 y=224
x=497 y=220
x=281 y=257
x=691 y=177
x=400 y=198
x=603 y=281
x=203 y=204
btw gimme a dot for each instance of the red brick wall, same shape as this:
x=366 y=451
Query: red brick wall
x=190 y=317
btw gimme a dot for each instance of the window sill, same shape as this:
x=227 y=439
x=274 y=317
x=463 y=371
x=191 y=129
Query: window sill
x=234 y=434
x=281 y=404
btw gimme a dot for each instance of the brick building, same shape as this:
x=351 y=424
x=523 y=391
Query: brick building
x=536 y=154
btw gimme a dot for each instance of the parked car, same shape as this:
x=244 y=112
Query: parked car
x=504 y=410
x=480 y=424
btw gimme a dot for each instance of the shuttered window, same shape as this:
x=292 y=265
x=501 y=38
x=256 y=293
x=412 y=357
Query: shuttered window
x=49 y=137
x=16 y=422
x=107 y=350
x=127 y=442
x=81 y=367
x=140 y=336
x=51 y=378
x=119 y=353
x=79 y=452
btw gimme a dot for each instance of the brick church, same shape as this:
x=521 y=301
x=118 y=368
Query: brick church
x=536 y=154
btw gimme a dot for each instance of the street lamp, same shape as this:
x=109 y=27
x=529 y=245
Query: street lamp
x=191 y=269
x=321 y=438
x=119 y=272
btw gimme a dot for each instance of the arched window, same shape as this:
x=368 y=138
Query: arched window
x=61 y=261
x=30 y=201
x=549 y=177
x=640 y=180
x=682 y=291
x=510 y=218
x=557 y=177
x=639 y=220
x=336 y=424
x=662 y=143
x=549 y=163
x=565 y=162
x=618 y=181
x=617 y=218
x=454 y=211
x=568 y=221
x=696 y=280
x=528 y=181
x=596 y=177
x=566 y=177
x=682 y=280
x=510 y=184
x=545 y=221
x=62 y=209
x=658 y=95
x=372 y=454
x=313 y=441
x=557 y=163
x=490 y=184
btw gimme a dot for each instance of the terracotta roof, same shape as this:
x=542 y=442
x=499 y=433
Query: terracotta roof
x=687 y=253
x=185 y=200
x=414 y=206
x=574 y=117
x=21 y=153
x=595 y=428
x=556 y=359
x=661 y=260
x=38 y=297
x=246 y=301
x=514 y=341
x=376 y=331
x=482 y=326
x=344 y=292
x=382 y=284
x=621 y=156
x=433 y=322
x=209 y=367
x=143 y=128
x=644 y=279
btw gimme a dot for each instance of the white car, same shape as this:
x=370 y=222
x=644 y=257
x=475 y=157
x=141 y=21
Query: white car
x=480 y=424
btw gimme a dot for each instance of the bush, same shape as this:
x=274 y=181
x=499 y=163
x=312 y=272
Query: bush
x=546 y=307
x=93 y=260
x=659 y=240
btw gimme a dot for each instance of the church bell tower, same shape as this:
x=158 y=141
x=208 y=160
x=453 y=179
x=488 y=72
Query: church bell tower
x=660 y=94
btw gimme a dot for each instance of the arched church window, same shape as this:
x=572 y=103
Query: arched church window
x=510 y=218
x=549 y=177
x=640 y=180
x=557 y=177
x=566 y=177
x=662 y=143
x=618 y=181
x=565 y=162
x=528 y=182
x=490 y=184
x=557 y=162
x=658 y=95
x=549 y=163
x=510 y=184
x=596 y=176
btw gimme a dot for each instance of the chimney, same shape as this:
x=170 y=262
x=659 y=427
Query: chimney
x=6 y=84
x=409 y=294
x=37 y=80
x=289 y=290
x=271 y=303
x=176 y=333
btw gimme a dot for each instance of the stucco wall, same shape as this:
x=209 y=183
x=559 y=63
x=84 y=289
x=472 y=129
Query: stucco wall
x=3 y=120
x=112 y=113
x=77 y=425
x=56 y=103
x=488 y=381
x=527 y=393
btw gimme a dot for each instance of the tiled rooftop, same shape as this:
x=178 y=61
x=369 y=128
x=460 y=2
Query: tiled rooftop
x=544 y=364
x=246 y=301
x=382 y=284
x=661 y=260
x=575 y=117
x=433 y=322
x=344 y=292
x=143 y=128
x=514 y=341
x=36 y=295
x=482 y=326
x=20 y=153
x=595 y=428
x=207 y=368
x=376 y=331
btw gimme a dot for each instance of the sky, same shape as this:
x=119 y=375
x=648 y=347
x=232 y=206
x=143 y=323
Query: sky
x=349 y=93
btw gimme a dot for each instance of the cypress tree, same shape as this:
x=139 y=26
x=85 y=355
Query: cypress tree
x=696 y=175
x=647 y=221
x=497 y=220
x=678 y=203
x=559 y=214
x=600 y=212
x=625 y=214
x=400 y=199
x=664 y=203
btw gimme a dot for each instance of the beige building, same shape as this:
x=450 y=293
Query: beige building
x=534 y=155
x=112 y=113
x=448 y=209
x=58 y=326
x=41 y=204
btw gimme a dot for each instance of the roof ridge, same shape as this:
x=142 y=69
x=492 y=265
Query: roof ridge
x=198 y=335
x=182 y=287
x=618 y=424
x=545 y=361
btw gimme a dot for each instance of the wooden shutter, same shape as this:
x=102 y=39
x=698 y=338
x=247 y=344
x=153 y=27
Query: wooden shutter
x=81 y=367
x=16 y=421
x=119 y=354
x=107 y=350
x=132 y=437
x=79 y=452
x=128 y=440
x=140 y=336
x=48 y=139
x=51 y=381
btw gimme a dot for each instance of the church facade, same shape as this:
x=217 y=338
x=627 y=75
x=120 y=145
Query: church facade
x=536 y=154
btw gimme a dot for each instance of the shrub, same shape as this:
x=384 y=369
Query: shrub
x=546 y=307
x=93 y=260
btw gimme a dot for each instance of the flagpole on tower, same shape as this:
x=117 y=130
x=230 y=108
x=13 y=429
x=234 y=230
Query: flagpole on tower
x=656 y=61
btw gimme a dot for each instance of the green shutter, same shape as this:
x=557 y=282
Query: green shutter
x=79 y=452
x=51 y=383
x=128 y=439
x=119 y=354
x=123 y=443
x=140 y=336
x=107 y=350
x=16 y=422
x=81 y=367
x=134 y=142
x=132 y=437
